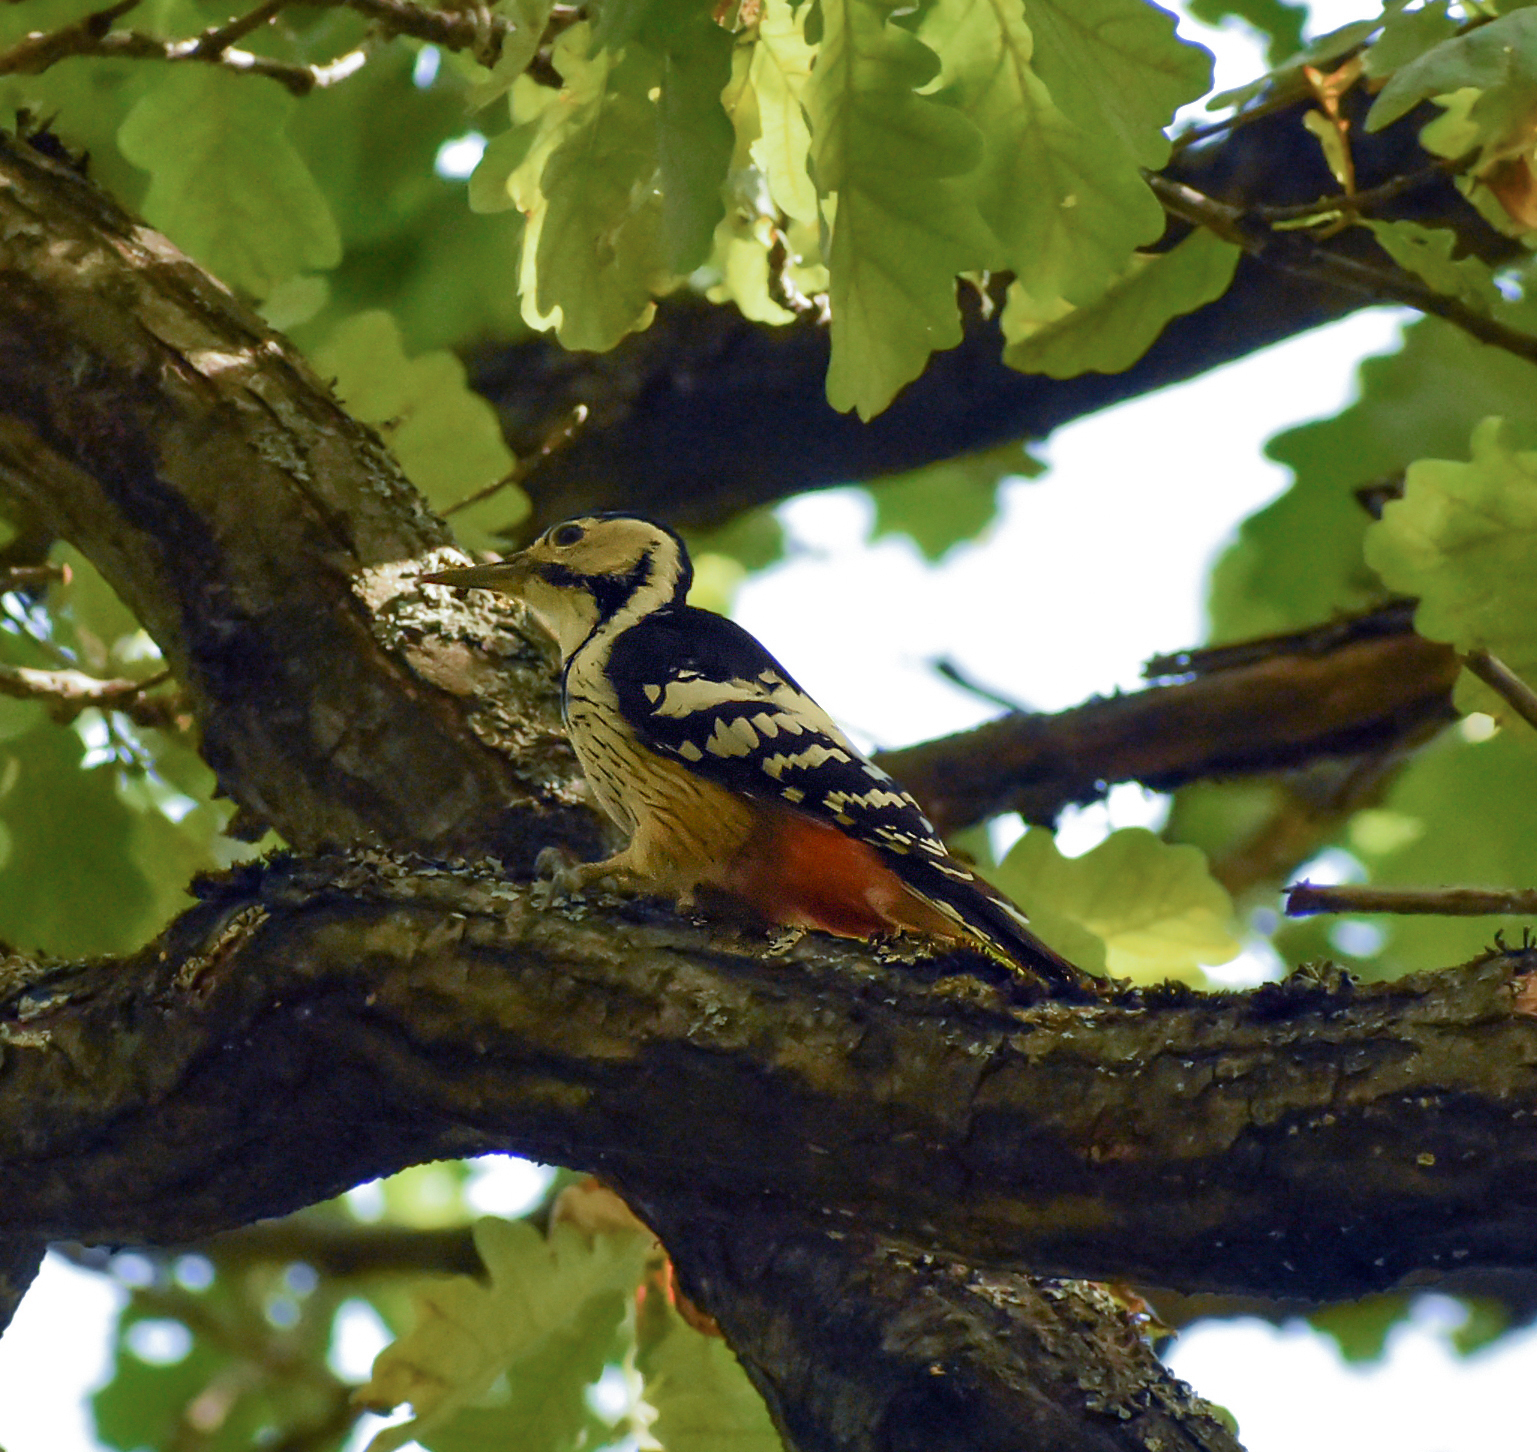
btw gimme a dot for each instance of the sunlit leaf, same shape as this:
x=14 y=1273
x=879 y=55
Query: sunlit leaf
x=467 y=1334
x=1418 y=402
x=446 y=437
x=904 y=225
x=702 y=1397
x=941 y=504
x=226 y=183
x=1462 y=540
x=1155 y=907
x=1427 y=251
x=1112 y=332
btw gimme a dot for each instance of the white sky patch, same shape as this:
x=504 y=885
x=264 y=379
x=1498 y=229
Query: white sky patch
x=425 y=71
x=1086 y=573
x=56 y=1352
x=506 y=1185
x=458 y=157
x=358 y=1335
x=1289 y=1387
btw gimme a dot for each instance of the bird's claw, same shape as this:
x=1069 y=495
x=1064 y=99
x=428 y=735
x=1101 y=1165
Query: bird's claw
x=557 y=878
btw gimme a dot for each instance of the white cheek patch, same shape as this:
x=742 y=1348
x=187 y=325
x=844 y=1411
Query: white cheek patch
x=653 y=693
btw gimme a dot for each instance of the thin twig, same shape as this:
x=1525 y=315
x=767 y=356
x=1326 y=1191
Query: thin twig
x=34 y=53
x=1303 y=900
x=1362 y=202
x=1515 y=692
x=553 y=443
x=29 y=577
x=67 y=693
x=475 y=29
x=218 y=38
x=1297 y=254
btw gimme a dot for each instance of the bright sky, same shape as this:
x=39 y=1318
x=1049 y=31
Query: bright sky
x=1087 y=572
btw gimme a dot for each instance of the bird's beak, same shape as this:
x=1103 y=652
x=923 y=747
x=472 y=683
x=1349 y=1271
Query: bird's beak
x=506 y=577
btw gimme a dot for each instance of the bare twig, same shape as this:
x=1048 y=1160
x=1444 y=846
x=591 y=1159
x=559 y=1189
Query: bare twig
x=34 y=53
x=1304 y=899
x=1362 y=202
x=67 y=693
x=474 y=29
x=1515 y=692
x=1294 y=253
x=30 y=577
x=554 y=442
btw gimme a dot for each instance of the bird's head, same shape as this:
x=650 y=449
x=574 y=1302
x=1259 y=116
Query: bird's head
x=585 y=571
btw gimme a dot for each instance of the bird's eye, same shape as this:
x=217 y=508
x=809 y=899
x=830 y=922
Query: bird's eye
x=566 y=534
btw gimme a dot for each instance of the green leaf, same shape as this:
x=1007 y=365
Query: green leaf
x=467 y=1334
x=1282 y=21
x=504 y=154
x=1407 y=35
x=1462 y=540
x=954 y=500
x=694 y=136
x=1463 y=801
x=518 y=49
x=226 y=183
x=1155 y=907
x=70 y=884
x=1066 y=202
x=1287 y=79
x=1418 y=402
x=702 y=1397
x=1118 y=65
x=904 y=225
x=1114 y=331
x=446 y=437
x=1427 y=252
x=1499 y=59
x=1360 y=1328
x=593 y=250
x=781 y=66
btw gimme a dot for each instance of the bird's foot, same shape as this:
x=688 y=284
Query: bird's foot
x=560 y=878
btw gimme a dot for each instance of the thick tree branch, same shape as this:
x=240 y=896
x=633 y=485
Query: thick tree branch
x=1368 y=685
x=263 y=538
x=863 y=1346
x=313 y=1025
x=705 y=414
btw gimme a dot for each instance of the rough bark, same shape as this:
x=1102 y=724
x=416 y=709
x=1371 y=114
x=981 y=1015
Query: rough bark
x=259 y=535
x=706 y=414
x=877 y=1349
x=320 y=1023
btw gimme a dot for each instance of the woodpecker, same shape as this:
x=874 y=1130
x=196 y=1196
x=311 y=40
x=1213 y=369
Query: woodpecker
x=730 y=781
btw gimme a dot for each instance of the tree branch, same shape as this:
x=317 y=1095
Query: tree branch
x=1499 y=677
x=316 y=1024
x=1304 y=899
x=1350 y=688
x=68 y=693
x=314 y=667
x=894 y=1352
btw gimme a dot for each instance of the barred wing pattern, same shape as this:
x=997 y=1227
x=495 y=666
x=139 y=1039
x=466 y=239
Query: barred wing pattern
x=698 y=688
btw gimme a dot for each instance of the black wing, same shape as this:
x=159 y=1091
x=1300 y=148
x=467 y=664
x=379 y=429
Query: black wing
x=697 y=687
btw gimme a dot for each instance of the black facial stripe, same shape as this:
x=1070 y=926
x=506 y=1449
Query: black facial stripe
x=611 y=592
